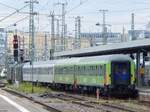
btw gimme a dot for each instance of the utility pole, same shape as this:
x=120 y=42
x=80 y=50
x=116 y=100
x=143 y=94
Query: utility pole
x=123 y=35
x=57 y=28
x=77 y=42
x=104 y=32
x=31 y=28
x=65 y=35
x=46 y=46
x=79 y=31
x=31 y=35
x=6 y=51
x=132 y=27
x=63 y=25
x=58 y=39
x=52 y=50
x=76 y=28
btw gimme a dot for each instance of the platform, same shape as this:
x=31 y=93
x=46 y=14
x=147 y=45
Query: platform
x=144 y=94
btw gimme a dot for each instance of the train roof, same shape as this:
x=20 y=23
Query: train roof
x=68 y=61
x=107 y=58
x=41 y=63
x=97 y=59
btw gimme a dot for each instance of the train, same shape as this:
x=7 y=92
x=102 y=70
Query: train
x=110 y=74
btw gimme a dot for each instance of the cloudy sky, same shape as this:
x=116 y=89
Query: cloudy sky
x=118 y=15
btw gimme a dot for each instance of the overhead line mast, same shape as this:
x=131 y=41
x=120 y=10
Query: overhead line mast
x=104 y=26
x=31 y=34
x=63 y=25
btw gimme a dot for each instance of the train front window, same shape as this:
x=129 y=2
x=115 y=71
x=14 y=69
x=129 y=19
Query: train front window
x=120 y=69
x=120 y=72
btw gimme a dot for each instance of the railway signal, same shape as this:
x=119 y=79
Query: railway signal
x=15 y=47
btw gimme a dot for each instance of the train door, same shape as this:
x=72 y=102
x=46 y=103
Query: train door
x=120 y=73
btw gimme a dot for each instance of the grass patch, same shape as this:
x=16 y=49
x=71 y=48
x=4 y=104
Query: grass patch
x=27 y=88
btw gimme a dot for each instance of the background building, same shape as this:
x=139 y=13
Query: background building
x=2 y=47
x=139 y=34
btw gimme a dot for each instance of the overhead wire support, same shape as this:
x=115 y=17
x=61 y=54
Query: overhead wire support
x=52 y=15
x=31 y=34
x=13 y=13
x=31 y=28
x=77 y=6
x=104 y=32
x=20 y=20
x=63 y=25
x=132 y=27
x=77 y=42
x=8 y=6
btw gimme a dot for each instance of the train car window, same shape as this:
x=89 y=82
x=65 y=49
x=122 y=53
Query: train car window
x=104 y=69
x=82 y=70
x=68 y=70
x=89 y=70
x=78 y=70
x=64 y=70
x=33 y=70
x=71 y=70
x=59 y=70
x=100 y=69
x=56 y=70
x=85 y=70
x=45 y=71
x=37 y=70
x=97 y=69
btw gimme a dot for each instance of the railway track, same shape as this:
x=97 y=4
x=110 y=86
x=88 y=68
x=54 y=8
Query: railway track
x=79 y=102
x=107 y=107
x=48 y=107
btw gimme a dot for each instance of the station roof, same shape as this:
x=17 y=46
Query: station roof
x=116 y=48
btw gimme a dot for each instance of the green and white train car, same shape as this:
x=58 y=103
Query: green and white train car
x=110 y=72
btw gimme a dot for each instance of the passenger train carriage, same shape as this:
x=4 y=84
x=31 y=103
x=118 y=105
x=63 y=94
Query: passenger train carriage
x=111 y=73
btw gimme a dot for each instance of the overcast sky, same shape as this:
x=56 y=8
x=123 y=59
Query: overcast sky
x=118 y=15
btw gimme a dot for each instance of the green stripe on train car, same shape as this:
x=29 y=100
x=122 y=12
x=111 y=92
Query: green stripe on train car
x=90 y=80
x=108 y=72
x=132 y=72
x=64 y=79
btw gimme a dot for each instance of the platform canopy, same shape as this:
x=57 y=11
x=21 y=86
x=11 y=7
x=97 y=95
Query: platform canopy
x=115 y=48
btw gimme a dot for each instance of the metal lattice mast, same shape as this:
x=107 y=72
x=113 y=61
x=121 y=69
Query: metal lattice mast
x=132 y=27
x=46 y=48
x=57 y=28
x=104 y=26
x=31 y=28
x=31 y=31
x=75 y=41
x=31 y=34
x=77 y=32
x=52 y=35
x=52 y=31
x=58 y=41
x=63 y=25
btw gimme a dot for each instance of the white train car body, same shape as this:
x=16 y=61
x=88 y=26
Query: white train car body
x=42 y=72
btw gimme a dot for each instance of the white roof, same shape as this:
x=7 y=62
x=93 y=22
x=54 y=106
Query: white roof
x=136 y=44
